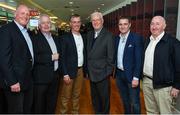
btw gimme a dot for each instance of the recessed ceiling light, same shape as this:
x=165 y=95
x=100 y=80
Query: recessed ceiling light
x=70 y=3
x=72 y=10
x=102 y=4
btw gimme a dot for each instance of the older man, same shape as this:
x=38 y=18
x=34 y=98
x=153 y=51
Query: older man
x=46 y=67
x=16 y=62
x=100 y=55
x=161 y=82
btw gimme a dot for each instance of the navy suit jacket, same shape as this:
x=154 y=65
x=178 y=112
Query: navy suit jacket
x=133 y=55
x=15 y=58
x=70 y=56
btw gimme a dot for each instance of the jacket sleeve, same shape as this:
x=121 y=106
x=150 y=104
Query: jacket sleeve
x=63 y=55
x=110 y=54
x=6 y=62
x=176 y=64
x=138 y=57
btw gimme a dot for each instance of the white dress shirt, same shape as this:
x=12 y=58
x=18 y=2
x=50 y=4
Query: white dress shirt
x=149 y=55
x=79 y=46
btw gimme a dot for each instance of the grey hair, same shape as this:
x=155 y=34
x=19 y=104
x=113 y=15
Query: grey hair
x=42 y=15
x=99 y=14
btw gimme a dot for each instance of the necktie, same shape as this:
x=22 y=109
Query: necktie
x=123 y=39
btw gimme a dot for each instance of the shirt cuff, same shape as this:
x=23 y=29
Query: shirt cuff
x=135 y=78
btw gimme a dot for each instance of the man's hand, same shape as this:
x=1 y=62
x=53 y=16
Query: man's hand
x=67 y=79
x=135 y=83
x=174 y=92
x=15 y=87
x=55 y=56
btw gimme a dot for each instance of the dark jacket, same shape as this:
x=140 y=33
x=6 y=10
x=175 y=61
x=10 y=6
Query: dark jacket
x=133 y=55
x=100 y=55
x=43 y=71
x=15 y=58
x=70 y=56
x=166 y=67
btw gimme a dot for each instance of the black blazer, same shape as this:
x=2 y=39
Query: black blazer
x=15 y=58
x=100 y=55
x=166 y=67
x=70 y=56
x=44 y=66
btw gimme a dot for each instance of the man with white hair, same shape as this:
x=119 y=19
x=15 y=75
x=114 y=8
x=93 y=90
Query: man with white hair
x=100 y=63
x=161 y=82
x=46 y=68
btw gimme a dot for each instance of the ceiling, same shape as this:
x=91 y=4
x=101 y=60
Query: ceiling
x=64 y=8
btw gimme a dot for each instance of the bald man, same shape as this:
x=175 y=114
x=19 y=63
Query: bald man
x=161 y=81
x=16 y=62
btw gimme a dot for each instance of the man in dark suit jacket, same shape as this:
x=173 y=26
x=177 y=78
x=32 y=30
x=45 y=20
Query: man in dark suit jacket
x=100 y=54
x=129 y=59
x=73 y=60
x=46 y=68
x=16 y=62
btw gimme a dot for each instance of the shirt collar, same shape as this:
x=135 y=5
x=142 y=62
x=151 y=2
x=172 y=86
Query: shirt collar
x=158 y=37
x=46 y=34
x=19 y=26
x=98 y=31
x=124 y=36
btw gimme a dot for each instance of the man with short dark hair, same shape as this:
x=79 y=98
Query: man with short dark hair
x=73 y=59
x=129 y=59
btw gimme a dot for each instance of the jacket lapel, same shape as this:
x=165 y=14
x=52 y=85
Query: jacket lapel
x=129 y=40
x=98 y=39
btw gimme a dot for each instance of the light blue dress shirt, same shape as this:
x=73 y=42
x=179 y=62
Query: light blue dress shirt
x=53 y=48
x=27 y=38
x=121 y=46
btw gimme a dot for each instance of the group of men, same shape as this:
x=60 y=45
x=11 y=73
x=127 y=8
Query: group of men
x=30 y=65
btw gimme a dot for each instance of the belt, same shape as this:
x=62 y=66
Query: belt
x=148 y=77
x=80 y=67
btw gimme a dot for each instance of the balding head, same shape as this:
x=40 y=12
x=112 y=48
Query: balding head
x=157 y=26
x=22 y=15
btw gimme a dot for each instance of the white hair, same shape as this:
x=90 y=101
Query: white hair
x=99 y=14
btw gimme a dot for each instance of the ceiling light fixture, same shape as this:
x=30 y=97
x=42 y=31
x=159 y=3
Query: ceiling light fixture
x=72 y=10
x=53 y=17
x=102 y=4
x=7 y=6
x=71 y=3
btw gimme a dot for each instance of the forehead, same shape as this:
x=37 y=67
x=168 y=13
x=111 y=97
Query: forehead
x=157 y=20
x=75 y=19
x=123 y=20
x=96 y=16
x=22 y=9
x=45 y=18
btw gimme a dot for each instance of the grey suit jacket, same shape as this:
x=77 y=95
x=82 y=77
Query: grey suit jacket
x=100 y=55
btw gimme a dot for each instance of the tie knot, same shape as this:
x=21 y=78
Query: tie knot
x=123 y=38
